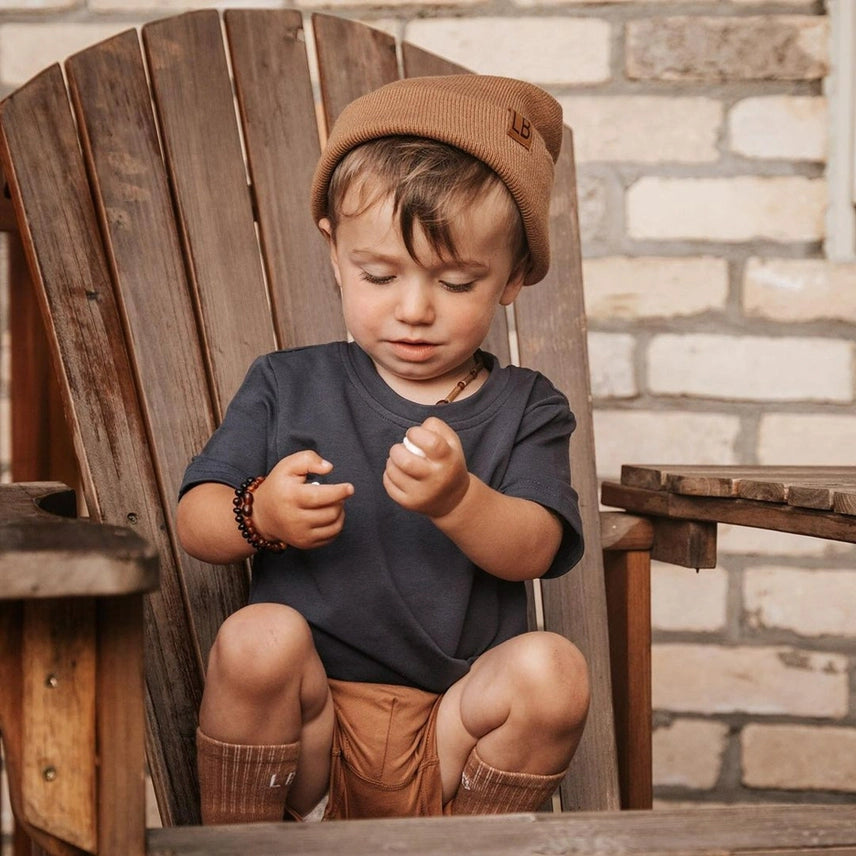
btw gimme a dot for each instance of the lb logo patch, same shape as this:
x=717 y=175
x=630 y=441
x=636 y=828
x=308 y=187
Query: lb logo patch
x=519 y=128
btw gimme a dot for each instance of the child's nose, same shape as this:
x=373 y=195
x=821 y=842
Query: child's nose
x=415 y=304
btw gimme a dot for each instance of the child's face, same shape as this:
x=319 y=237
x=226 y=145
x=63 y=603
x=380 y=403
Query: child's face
x=421 y=320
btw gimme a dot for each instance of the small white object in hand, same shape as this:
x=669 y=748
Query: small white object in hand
x=412 y=448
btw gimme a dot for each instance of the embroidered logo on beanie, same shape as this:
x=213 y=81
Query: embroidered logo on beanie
x=519 y=129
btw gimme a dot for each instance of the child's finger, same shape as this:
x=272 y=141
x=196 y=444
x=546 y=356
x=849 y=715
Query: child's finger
x=317 y=495
x=307 y=461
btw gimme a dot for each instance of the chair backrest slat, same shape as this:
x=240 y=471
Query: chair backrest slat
x=109 y=90
x=202 y=145
x=282 y=141
x=352 y=59
x=551 y=328
x=43 y=163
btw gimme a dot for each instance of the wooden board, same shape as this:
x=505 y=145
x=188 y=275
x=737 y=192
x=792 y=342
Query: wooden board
x=740 y=512
x=268 y=51
x=820 y=487
x=72 y=276
x=202 y=145
x=791 y=829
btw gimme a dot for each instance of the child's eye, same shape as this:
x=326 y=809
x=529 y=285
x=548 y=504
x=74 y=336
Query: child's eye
x=458 y=287
x=376 y=280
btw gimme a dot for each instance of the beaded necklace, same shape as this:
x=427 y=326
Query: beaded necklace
x=465 y=381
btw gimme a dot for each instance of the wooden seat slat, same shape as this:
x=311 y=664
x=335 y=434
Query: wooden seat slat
x=787 y=830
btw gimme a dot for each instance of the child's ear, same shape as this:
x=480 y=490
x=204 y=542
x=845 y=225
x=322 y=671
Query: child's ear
x=513 y=286
x=326 y=229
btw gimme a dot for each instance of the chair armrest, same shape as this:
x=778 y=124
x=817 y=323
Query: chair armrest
x=620 y=531
x=45 y=553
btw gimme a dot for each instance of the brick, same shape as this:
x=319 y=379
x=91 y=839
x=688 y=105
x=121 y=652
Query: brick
x=762 y=47
x=799 y=757
x=813 y=602
x=715 y=679
x=808 y=439
x=688 y=753
x=782 y=369
x=35 y=5
x=26 y=49
x=642 y=128
x=611 y=365
x=683 y=599
x=635 y=436
x=541 y=49
x=779 y=126
x=799 y=290
x=742 y=208
x=635 y=288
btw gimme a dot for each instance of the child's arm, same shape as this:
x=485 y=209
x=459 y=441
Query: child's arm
x=509 y=537
x=285 y=508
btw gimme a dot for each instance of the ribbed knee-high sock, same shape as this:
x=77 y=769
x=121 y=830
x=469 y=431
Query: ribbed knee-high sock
x=486 y=790
x=240 y=783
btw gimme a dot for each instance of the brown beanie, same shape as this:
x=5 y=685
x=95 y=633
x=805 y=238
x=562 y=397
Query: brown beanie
x=512 y=126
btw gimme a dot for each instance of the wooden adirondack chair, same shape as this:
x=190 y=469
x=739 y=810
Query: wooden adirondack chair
x=169 y=244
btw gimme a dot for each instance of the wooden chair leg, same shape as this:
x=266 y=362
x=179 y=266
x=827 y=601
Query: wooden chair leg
x=628 y=592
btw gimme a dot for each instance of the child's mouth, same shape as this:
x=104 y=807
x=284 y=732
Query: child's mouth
x=413 y=351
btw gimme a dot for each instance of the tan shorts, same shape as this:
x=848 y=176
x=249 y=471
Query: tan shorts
x=384 y=760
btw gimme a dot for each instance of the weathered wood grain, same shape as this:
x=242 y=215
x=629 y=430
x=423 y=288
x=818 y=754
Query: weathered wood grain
x=689 y=832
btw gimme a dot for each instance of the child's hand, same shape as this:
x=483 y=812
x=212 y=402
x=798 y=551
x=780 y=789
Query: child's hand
x=434 y=482
x=303 y=515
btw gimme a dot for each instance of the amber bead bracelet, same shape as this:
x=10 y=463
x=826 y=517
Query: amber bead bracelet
x=243 y=503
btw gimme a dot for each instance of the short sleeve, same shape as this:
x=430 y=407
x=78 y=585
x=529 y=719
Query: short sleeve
x=539 y=468
x=237 y=449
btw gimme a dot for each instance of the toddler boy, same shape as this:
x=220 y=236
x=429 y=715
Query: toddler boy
x=397 y=490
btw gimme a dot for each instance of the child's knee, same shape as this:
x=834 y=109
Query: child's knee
x=554 y=678
x=260 y=646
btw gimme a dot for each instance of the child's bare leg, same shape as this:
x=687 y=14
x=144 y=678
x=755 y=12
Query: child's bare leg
x=520 y=710
x=265 y=685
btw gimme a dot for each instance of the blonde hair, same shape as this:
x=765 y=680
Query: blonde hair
x=429 y=183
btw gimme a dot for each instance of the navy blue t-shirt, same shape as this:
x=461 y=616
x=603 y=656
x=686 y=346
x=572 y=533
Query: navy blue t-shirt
x=392 y=599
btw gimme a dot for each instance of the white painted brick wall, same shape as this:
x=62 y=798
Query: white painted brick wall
x=799 y=757
x=715 y=49
x=688 y=753
x=701 y=678
x=642 y=129
x=794 y=290
x=26 y=49
x=619 y=287
x=751 y=368
x=744 y=208
x=779 y=126
x=810 y=603
x=548 y=50
x=635 y=436
x=782 y=439
x=683 y=599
